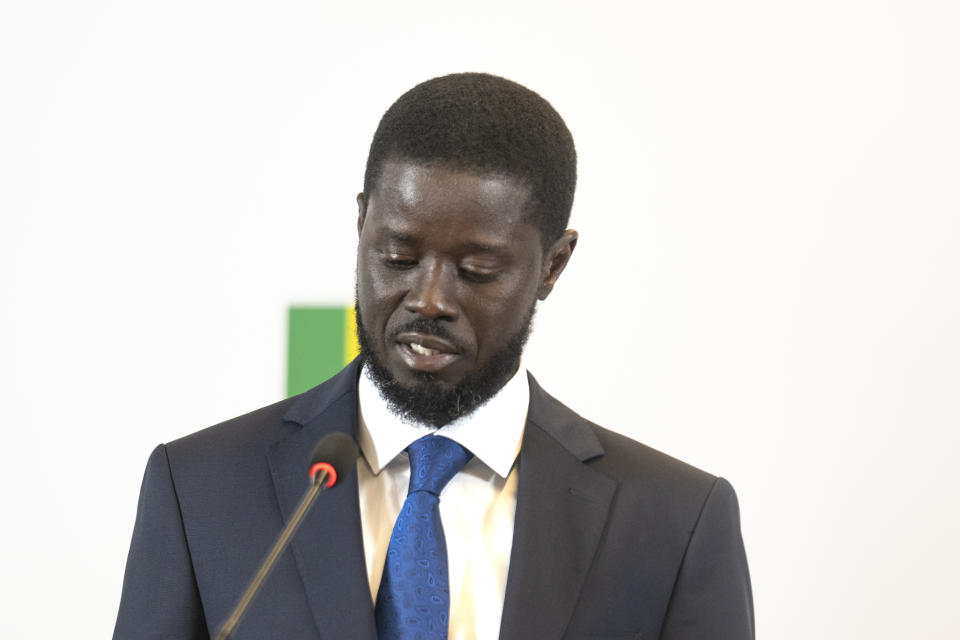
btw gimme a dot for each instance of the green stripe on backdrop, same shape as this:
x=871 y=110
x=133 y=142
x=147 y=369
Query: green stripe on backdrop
x=320 y=341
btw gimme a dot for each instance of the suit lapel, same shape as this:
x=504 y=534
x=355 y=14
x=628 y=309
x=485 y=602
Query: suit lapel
x=328 y=548
x=562 y=507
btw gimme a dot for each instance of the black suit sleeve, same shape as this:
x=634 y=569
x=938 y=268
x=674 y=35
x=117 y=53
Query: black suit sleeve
x=712 y=596
x=160 y=597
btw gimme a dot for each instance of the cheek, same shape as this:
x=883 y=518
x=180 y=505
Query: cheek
x=368 y=295
x=497 y=315
x=378 y=294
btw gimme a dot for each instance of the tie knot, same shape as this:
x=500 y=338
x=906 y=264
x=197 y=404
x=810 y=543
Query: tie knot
x=434 y=460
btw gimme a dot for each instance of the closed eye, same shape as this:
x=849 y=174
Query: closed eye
x=475 y=275
x=399 y=262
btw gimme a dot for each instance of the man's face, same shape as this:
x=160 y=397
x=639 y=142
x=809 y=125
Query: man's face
x=449 y=269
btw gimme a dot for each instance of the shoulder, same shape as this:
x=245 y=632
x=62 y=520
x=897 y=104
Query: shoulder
x=237 y=451
x=229 y=452
x=654 y=482
x=235 y=441
x=634 y=462
x=254 y=430
x=644 y=475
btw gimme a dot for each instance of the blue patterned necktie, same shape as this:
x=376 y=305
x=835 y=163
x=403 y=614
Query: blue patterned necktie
x=413 y=602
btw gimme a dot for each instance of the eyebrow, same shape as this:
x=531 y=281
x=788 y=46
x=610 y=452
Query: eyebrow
x=483 y=248
x=479 y=247
x=399 y=236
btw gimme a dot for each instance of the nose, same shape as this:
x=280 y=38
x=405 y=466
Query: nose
x=433 y=294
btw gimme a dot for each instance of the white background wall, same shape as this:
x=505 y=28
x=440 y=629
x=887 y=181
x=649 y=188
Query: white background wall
x=766 y=284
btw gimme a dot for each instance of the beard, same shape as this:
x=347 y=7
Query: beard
x=430 y=401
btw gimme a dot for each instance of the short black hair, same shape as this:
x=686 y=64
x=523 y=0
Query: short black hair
x=485 y=123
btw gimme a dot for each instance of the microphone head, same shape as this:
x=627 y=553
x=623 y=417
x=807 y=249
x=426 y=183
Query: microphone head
x=336 y=454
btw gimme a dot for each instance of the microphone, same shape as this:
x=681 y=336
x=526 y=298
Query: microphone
x=331 y=461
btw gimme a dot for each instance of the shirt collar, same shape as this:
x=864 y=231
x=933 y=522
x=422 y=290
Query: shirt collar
x=493 y=432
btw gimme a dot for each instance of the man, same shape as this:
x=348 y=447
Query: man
x=553 y=526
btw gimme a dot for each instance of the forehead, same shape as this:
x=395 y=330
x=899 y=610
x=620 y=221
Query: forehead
x=411 y=195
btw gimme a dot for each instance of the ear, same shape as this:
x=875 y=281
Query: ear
x=556 y=261
x=361 y=210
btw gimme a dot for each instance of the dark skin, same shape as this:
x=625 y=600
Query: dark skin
x=453 y=246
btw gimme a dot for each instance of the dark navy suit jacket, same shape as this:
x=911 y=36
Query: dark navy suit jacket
x=612 y=539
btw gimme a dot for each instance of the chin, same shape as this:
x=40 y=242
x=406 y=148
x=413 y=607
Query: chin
x=414 y=380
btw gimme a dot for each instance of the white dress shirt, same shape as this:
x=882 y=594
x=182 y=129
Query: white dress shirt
x=477 y=506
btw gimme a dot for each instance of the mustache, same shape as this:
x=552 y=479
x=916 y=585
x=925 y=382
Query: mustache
x=427 y=326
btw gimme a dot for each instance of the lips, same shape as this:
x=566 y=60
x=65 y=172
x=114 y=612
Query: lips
x=425 y=352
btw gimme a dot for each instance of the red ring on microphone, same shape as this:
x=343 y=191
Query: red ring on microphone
x=324 y=466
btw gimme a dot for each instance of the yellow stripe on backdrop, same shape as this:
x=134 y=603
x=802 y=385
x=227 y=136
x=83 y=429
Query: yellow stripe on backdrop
x=351 y=346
